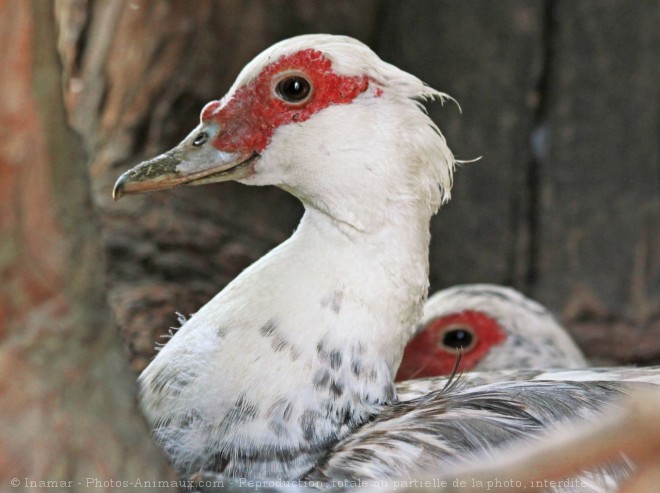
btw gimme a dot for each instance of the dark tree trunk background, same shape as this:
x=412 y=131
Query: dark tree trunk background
x=560 y=98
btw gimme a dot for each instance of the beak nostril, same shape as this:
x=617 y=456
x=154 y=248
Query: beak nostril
x=201 y=139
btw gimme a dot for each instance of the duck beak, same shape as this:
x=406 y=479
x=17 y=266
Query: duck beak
x=186 y=164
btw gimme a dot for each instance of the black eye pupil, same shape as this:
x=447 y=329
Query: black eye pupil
x=201 y=139
x=293 y=89
x=457 y=338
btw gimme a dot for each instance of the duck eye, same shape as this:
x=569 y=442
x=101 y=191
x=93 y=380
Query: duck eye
x=293 y=89
x=458 y=338
x=201 y=139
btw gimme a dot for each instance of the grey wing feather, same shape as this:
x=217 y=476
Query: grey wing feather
x=441 y=431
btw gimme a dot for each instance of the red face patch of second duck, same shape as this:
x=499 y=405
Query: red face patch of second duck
x=425 y=355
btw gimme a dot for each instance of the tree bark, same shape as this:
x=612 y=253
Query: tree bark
x=68 y=407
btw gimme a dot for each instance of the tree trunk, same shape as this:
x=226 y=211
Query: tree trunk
x=68 y=408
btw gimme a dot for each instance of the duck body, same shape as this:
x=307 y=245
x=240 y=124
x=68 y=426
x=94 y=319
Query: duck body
x=244 y=377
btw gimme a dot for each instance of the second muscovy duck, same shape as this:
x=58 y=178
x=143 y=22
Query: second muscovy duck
x=300 y=350
x=492 y=327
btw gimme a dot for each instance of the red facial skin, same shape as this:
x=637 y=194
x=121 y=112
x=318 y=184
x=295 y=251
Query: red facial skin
x=425 y=356
x=250 y=117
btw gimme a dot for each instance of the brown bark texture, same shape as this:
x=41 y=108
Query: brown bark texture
x=68 y=409
x=559 y=99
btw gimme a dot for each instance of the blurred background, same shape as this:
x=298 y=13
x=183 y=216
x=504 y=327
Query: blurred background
x=560 y=99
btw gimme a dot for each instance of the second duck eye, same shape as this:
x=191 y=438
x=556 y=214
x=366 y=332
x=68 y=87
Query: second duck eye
x=457 y=338
x=201 y=139
x=293 y=89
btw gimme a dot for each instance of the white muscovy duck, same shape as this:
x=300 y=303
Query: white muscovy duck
x=274 y=375
x=302 y=347
x=492 y=327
